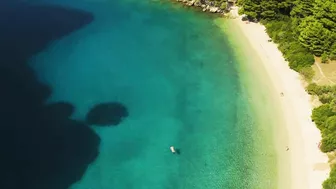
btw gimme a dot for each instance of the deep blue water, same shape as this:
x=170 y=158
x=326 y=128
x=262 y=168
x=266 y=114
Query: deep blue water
x=171 y=68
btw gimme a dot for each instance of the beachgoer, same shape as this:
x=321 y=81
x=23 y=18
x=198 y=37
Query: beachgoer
x=282 y=94
x=287 y=148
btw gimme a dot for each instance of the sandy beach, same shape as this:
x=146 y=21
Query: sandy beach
x=308 y=166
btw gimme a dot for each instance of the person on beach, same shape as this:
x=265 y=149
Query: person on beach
x=282 y=94
x=287 y=148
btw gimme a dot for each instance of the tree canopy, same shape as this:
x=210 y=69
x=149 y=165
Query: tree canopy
x=313 y=21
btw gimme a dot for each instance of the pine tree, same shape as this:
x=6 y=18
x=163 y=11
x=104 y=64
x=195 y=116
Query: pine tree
x=314 y=36
x=268 y=9
x=251 y=8
x=325 y=11
x=285 y=7
x=302 y=8
x=332 y=55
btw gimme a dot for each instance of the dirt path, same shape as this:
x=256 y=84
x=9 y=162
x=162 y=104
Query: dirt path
x=322 y=73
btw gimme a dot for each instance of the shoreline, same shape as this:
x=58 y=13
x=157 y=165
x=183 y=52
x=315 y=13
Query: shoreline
x=207 y=6
x=303 y=165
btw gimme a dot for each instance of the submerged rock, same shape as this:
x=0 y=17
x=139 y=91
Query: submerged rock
x=106 y=114
x=197 y=3
x=191 y=3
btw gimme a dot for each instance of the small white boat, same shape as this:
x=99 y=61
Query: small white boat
x=172 y=149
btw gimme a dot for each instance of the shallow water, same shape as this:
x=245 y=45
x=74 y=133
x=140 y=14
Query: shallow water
x=175 y=72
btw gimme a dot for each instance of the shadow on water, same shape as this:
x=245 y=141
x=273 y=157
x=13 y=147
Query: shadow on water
x=41 y=147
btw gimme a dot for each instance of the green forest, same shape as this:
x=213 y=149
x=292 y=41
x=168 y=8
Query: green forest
x=304 y=29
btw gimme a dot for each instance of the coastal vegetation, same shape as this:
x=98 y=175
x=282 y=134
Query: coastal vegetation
x=304 y=29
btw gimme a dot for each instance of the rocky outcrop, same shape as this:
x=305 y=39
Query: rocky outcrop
x=214 y=9
x=191 y=3
x=206 y=6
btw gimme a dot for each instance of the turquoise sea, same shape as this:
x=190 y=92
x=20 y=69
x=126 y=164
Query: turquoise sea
x=176 y=74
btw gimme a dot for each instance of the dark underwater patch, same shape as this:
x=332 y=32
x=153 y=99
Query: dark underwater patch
x=106 y=114
x=41 y=147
